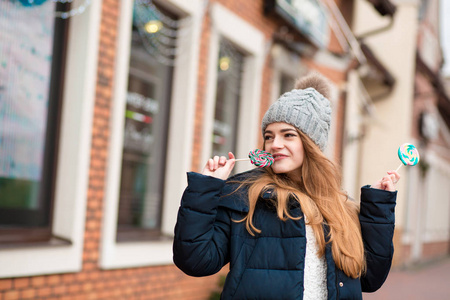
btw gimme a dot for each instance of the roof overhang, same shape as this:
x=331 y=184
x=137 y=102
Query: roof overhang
x=384 y=7
x=377 y=79
x=443 y=103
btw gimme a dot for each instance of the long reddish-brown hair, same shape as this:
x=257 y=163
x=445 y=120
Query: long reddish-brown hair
x=322 y=201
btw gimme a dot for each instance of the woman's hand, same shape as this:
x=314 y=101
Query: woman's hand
x=219 y=167
x=388 y=182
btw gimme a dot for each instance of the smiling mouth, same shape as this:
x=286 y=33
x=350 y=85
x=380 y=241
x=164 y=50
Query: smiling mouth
x=279 y=156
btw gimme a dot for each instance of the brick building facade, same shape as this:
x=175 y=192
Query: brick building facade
x=86 y=264
x=110 y=233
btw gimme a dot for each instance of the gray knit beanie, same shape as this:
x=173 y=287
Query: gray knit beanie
x=306 y=107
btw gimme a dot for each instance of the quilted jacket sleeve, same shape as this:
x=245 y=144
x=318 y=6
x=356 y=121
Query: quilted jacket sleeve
x=377 y=220
x=200 y=246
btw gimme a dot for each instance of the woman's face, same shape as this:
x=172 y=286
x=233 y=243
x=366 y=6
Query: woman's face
x=283 y=142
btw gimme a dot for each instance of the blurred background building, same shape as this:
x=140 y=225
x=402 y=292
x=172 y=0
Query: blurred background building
x=105 y=105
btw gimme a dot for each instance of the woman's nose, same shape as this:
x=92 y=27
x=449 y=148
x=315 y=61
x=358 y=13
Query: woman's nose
x=277 y=143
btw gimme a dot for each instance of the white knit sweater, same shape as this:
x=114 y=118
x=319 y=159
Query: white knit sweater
x=315 y=280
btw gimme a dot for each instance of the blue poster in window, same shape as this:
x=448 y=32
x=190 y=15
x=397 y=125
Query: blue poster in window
x=26 y=41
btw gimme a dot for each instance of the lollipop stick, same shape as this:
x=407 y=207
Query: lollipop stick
x=399 y=167
x=242 y=159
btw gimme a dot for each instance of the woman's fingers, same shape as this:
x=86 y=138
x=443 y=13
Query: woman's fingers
x=216 y=162
x=394 y=176
x=210 y=164
x=388 y=181
x=222 y=161
x=387 y=184
x=231 y=160
x=231 y=155
x=219 y=166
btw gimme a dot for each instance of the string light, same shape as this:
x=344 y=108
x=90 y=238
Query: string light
x=224 y=63
x=153 y=26
x=158 y=32
x=60 y=14
x=162 y=41
x=72 y=12
x=231 y=64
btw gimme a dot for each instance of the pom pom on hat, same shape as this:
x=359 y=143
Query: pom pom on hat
x=306 y=108
x=316 y=81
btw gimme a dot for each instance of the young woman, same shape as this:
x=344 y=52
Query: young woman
x=288 y=231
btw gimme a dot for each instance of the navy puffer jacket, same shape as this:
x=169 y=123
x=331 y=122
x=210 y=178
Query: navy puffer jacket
x=270 y=265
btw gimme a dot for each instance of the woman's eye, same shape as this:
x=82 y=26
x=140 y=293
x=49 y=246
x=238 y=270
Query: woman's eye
x=290 y=135
x=267 y=137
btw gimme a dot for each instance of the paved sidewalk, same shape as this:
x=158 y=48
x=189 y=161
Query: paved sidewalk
x=430 y=282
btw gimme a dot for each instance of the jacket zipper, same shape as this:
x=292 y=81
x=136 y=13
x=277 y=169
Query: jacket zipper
x=337 y=282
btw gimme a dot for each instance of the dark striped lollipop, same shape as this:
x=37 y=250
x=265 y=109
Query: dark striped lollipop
x=259 y=158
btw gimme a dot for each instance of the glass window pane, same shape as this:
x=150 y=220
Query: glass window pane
x=145 y=136
x=227 y=99
x=27 y=111
x=286 y=83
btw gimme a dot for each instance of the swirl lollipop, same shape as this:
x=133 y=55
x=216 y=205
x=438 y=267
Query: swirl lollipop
x=259 y=158
x=408 y=155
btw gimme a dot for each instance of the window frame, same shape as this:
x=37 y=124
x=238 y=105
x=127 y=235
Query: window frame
x=17 y=235
x=72 y=175
x=181 y=130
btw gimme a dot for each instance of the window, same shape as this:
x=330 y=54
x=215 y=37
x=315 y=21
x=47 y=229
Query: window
x=146 y=124
x=227 y=99
x=287 y=68
x=32 y=55
x=306 y=16
x=71 y=175
x=286 y=83
x=169 y=83
x=423 y=7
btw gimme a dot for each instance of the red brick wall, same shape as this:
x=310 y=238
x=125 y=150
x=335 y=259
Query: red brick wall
x=201 y=91
x=436 y=249
x=164 y=282
x=430 y=252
